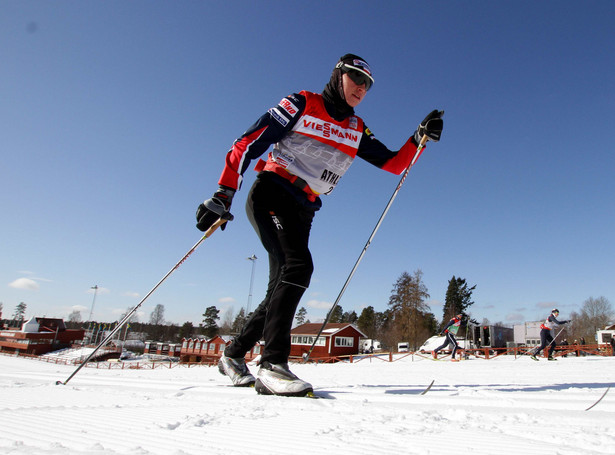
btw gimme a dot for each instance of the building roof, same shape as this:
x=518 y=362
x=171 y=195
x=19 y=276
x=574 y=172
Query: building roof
x=330 y=329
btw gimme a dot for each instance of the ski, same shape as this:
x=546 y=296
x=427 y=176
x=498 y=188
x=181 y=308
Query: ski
x=428 y=387
x=316 y=396
x=599 y=399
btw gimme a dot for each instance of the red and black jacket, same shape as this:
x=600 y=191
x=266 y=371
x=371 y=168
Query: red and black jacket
x=302 y=121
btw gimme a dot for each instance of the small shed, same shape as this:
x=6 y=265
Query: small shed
x=336 y=339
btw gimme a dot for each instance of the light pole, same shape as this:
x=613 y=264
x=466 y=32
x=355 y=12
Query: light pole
x=252 y=258
x=95 y=287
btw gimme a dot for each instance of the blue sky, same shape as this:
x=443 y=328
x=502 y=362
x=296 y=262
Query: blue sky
x=116 y=117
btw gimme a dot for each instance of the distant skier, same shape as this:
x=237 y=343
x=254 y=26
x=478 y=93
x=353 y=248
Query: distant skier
x=450 y=331
x=546 y=337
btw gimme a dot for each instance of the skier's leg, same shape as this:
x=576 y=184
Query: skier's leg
x=551 y=344
x=453 y=342
x=252 y=331
x=295 y=275
x=445 y=344
x=283 y=225
x=544 y=333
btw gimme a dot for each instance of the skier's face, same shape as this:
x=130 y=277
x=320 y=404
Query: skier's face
x=353 y=93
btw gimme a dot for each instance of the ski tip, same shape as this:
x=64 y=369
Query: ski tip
x=60 y=383
x=428 y=387
x=311 y=394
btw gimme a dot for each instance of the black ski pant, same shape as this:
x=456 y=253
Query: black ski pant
x=450 y=340
x=283 y=225
x=546 y=339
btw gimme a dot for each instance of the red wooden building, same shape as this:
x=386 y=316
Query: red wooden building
x=159 y=348
x=39 y=336
x=337 y=339
x=202 y=350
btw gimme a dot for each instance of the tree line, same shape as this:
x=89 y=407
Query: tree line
x=407 y=318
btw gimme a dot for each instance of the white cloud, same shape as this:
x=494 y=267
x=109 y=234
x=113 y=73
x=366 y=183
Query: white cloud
x=226 y=300
x=25 y=283
x=435 y=304
x=320 y=304
x=131 y=294
x=515 y=317
x=546 y=305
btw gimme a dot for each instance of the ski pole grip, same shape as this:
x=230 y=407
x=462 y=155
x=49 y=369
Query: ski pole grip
x=214 y=226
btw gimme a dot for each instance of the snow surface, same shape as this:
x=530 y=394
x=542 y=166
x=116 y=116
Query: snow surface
x=499 y=406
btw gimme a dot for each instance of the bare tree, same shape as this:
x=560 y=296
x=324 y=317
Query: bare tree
x=157 y=316
x=75 y=316
x=228 y=322
x=595 y=314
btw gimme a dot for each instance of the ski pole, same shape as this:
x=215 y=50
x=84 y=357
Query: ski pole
x=125 y=319
x=419 y=149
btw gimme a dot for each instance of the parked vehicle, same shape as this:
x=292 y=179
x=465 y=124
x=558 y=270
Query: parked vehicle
x=369 y=346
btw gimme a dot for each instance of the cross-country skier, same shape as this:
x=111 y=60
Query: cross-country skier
x=315 y=139
x=546 y=338
x=449 y=331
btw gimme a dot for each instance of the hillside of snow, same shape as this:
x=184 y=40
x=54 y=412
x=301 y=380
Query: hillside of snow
x=500 y=406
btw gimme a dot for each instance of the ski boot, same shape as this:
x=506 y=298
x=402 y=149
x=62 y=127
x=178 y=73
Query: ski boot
x=237 y=370
x=277 y=379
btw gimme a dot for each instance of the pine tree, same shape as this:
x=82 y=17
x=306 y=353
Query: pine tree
x=350 y=317
x=337 y=315
x=239 y=321
x=186 y=330
x=458 y=299
x=367 y=322
x=20 y=311
x=410 y=312
x=210 y=326
x=300 y=316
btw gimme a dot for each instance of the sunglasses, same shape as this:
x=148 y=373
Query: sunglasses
x=357 y=76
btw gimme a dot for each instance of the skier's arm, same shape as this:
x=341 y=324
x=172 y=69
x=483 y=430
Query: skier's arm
x=268 y=129
x=445 y=329
x=376 y=153
x=554 y=319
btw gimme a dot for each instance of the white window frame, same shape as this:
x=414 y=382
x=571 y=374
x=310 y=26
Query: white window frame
x=344 y=342
x=307 y=340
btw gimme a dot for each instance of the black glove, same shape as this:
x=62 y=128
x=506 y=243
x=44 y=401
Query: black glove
x=431 y=127
x=217 y=207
